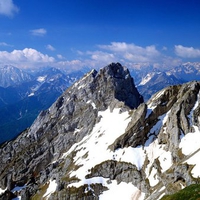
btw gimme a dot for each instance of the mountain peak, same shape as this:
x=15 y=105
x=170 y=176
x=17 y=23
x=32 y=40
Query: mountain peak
x=116 y=70
x=121 y=83
x=111 y=83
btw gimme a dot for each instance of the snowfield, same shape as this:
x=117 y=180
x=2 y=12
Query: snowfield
x=190 y=147
x=122 y=191
x=93 y=150
x=190 y=144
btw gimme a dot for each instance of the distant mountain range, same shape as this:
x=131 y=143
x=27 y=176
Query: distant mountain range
x=10 y=76
x=150 y=80
x=24 y=94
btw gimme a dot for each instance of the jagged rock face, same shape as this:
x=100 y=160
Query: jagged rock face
x=121 y=80
x=28 y=158
x=99 y=141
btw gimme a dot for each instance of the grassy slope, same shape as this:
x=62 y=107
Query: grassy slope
x=191 y=192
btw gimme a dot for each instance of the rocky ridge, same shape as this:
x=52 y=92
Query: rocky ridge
x=100 y=141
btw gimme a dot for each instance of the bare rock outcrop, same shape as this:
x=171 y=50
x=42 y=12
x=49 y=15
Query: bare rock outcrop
x=28 y=158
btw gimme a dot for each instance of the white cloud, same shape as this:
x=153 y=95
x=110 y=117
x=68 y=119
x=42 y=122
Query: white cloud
x=50 y=47
x=129 y=54
x=102 y=56
x=59 y=56
x=71 y=65
x=8 y=8
x=187 y=52
x=164 y=48
x=132 y=52
x=38 y=32
x=4 y=44
x=27 y=57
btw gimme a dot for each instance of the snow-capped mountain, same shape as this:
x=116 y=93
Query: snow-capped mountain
x=10 y=76
x=150 y=80
x=22 y=103
x=187 y=71
x=155 y=81
x=100 y=141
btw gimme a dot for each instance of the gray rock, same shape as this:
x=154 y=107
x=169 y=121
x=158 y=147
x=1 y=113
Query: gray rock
x=36 y=156
x=66 y=122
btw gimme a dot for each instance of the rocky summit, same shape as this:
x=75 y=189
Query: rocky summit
x=99 y=140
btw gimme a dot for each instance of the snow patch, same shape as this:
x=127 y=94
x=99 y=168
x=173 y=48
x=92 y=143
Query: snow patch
x=17 y=198
x=194 y=160
x=165 y=159
x=121 y=191
x=151 y=105
x=77 y=130
x=2 y=191
x=51 y=189
x=195 y=106
x=41 y=79
x=161 y=121
x=159 y=94
x=146 y=79
x=90 y=181
x=79 y=83
x=131 y=155
x=31 y=94
x=153 y=179
x=92 y=103
x=190 y=142
x=156 y=151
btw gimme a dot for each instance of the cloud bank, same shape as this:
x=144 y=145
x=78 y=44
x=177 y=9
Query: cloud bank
x=25 y=58
x=8 y=8
x=132 y=52
x=129 y=54
x=187 y=52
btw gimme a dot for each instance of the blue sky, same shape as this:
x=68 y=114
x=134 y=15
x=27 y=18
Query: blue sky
x=93 y=33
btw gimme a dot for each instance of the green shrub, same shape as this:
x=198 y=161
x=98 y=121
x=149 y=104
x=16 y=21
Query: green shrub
x=191 y=192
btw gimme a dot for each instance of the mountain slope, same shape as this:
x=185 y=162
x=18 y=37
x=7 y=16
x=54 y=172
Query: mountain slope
x=99 y=141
